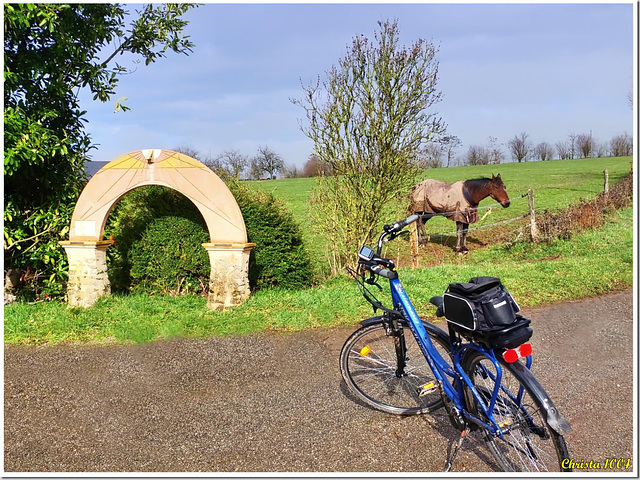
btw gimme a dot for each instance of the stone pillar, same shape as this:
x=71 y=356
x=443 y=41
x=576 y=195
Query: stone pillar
x=229 y=280
x=88 y=279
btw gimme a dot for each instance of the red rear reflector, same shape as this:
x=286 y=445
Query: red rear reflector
x=525 y=350
x=510 y=356
x=513 y=354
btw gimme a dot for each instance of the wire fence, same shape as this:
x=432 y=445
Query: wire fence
x=489 y=208
x=531 y=214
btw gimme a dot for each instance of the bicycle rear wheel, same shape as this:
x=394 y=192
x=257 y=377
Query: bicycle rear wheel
x=369 y=363
x=529 y=443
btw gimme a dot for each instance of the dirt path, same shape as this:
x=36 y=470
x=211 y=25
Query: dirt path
x=266 y=403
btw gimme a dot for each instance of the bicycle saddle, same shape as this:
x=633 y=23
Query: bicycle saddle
x=438 y=301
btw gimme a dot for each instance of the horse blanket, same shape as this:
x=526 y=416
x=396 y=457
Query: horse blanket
x=447 y=199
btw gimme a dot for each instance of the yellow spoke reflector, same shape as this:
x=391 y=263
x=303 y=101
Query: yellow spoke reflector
x=364 y=351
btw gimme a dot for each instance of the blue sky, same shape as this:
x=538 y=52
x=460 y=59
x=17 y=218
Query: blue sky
x=545 y=69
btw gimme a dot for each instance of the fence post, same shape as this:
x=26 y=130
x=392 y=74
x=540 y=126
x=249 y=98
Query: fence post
x=606 y=181
x=532 y=217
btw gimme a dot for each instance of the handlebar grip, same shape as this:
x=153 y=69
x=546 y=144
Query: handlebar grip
x=408 y=220
x=397 y=226
x=383 y=272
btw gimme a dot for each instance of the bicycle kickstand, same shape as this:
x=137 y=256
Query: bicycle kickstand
x=449 y=464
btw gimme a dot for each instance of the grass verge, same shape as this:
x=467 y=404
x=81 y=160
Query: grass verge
x=592 y=263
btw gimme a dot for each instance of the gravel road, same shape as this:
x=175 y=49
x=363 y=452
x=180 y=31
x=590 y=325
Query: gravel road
x=276 y=402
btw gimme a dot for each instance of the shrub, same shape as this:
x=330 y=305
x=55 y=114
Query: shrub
x=135 y=264
x=586 y=214
x=129 y=219
x=169 y=258
x=279 y=258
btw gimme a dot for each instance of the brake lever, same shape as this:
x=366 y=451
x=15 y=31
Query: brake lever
x=372 y=281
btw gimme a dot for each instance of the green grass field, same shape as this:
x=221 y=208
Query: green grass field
x=591 y=263
x=556 y=184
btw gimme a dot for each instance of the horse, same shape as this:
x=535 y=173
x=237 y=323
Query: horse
x=457 y=201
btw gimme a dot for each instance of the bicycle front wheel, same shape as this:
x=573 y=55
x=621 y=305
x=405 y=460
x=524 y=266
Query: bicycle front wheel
x=369 y=366
x=528 y=443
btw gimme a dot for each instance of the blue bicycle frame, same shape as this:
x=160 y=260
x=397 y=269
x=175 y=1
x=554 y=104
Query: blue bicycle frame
x=443 y=371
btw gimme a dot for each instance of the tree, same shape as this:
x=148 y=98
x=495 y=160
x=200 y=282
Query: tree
x=367 y=121
x=478 y=155
x=315 y=167
x=234 y=161
x=563 y=149
x=266 y=161
x=544 y=151
x=495 y=152
x=584 y=144
x=572 y=145
x=431 y=155
x=51 y=52
x=449 y=145
x=621 y=145
x=520 y=147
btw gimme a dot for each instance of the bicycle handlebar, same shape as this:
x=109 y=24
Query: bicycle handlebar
x=372 y=261
x=397 y=226
x=383 y=272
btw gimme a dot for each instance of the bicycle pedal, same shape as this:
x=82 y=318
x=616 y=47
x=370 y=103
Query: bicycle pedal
x=427 y=388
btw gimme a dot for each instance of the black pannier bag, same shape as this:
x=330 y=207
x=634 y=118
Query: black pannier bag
x=483 y=309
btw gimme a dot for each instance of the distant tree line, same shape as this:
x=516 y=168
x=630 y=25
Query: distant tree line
x=232 y=164
x=521 y=149
x=442 y=153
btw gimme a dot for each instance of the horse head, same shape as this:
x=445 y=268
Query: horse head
x=498 y=191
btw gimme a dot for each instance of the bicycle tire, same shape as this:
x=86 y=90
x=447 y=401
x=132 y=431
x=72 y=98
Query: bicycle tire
x=529 y=444
x=368 y=365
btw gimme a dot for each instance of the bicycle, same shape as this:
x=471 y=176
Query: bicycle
x=483 y=379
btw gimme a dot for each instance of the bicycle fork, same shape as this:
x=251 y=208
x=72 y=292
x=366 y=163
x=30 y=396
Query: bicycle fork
x=401 y=348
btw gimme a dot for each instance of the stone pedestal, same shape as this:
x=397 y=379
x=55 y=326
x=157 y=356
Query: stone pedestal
x=88 y=279
x=229 y=279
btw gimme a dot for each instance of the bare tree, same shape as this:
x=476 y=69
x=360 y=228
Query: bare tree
x=495 y=152
x=430 y=155
x=449 y=145
x=573 y=148
x=291 y=171
x=600 y=149
x=563 y=149
x=544 y=151
x=621 y=145
x=368 y=120
x=234 y=161
x=267 y=161
x=584 y=144
x=478 y=155
x=315 y=167
x=520 y=147
x=189 y=151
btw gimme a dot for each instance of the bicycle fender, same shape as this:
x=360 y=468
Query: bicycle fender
x=554 y=418
x=372 y=320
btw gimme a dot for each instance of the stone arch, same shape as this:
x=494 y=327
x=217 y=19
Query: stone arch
x=228 y=247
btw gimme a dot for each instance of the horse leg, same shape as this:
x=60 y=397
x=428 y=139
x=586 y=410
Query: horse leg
x=422 y=234
x=465 y=230
x=461 y=234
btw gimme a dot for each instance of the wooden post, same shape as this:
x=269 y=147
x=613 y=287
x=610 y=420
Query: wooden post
x=532 y=217
x=413 y=240
x=606 y=181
